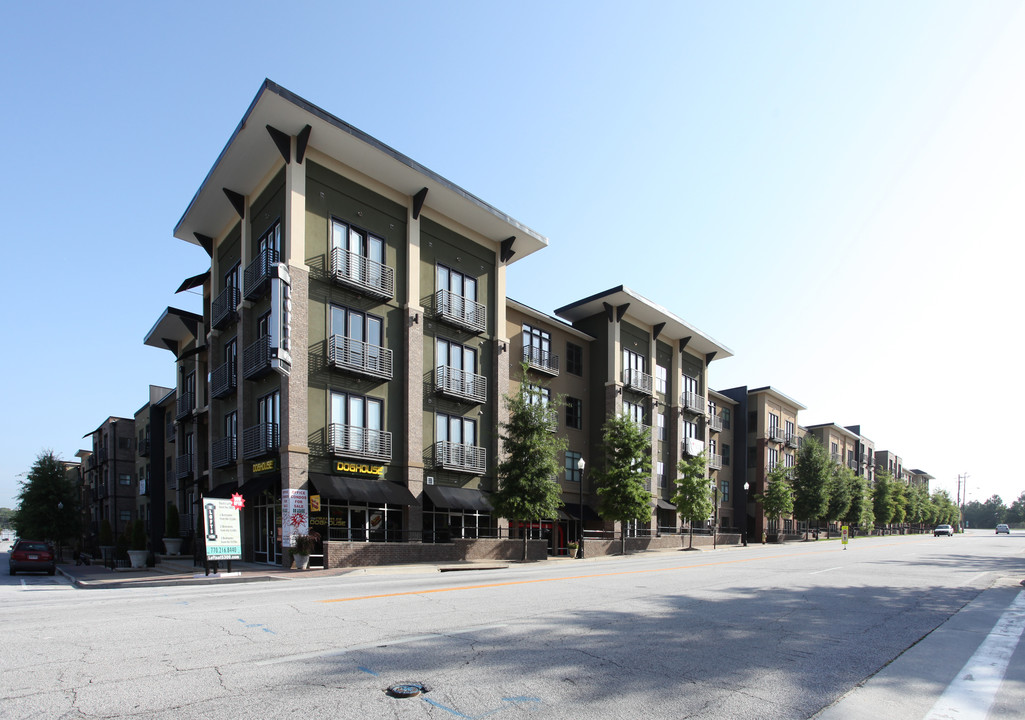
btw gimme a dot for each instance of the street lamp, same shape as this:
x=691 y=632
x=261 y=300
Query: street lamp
x=743 y=531
x=580 y=489
x=715 y=510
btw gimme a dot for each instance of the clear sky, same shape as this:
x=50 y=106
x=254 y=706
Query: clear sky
x=834 y=190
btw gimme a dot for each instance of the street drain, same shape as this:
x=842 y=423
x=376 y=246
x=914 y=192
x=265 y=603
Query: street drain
x=407 y=689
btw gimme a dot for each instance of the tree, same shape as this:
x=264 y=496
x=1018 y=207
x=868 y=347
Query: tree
x=945 y=511
x=919 y=508
x=840 y=492
x=1016 y=513
x=48 y=502
x=811 y=481
x=528 y=491
x=693 y=498
x=778 y=500
x=627 y=464
x=882 y=497
x=898 y=501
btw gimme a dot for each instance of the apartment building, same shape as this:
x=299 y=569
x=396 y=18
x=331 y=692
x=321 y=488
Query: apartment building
x=890 y=462
x=864 y=454
x=918 y=477
x=767 y=421
x=109 y=473
x=730 y=492
x=840 y=444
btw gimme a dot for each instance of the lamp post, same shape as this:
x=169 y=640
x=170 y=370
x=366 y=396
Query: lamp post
x=743 y=532
x=580 y=467
x=57 y=530
x=715 y=510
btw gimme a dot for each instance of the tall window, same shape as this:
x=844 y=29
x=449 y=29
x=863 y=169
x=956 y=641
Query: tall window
x=271 y=241
x=456 y=429
x=231 y=278
x=790 y=429
x=574 y=413
x=724 y=492
x=661 y=379
x=537 y=344
x=572 y=471
x=635 y=412
x=725 y=454
x=461 y=364
x=634 y=361
x=690 y=385
x=268 y=409
x=789 y=460
x=356 y=244
x=773 y=421
x=574 y=359
x=457 y=283
x=360 y=335
x=231 y=424
x=361 y=420
x=661 y=426
x=772 y=457
x=690 y=429
x=231 y=354
x=263 y=325
x=726 y=418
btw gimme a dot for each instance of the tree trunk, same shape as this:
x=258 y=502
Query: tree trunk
x=524 y=531
x=690 y=540
x=622 y=540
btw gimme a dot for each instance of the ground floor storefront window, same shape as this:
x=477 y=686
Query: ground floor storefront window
x=447 y=524
x=358 y=522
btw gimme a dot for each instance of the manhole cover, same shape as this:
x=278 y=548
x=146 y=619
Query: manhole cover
x=407 y=689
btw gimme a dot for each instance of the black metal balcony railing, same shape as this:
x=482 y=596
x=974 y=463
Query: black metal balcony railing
x=460 y=311
x=223 y=452
x=460 y=384
x=223 y=308
x=539 y=359
x=183 y=465
x=102 y=453
x=144 y=447
x=461 y=458
x=362 y=274
x=693 y=402
x=257 y=275
x=852 y=464
x=692 y=446
x=222 y=380
x=775 y=433
x=360 y=357
x=715 y=423
x=256 y=359
x=169 y=432
x=714 y=461
x=637 y=381
x=359 y=442
x=186 y=405
x=793 y=440
x=259 y=440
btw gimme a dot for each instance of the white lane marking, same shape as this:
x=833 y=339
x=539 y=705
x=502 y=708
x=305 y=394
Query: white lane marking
x=376 y=644
x=970 y=695
x=826 y=570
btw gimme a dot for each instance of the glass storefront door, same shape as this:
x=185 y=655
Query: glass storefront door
x=268 y=534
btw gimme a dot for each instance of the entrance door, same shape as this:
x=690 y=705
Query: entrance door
x=268 y=545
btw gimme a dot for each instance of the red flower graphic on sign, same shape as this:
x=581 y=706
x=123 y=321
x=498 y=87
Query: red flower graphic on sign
x=297 y=520
x=237 y=501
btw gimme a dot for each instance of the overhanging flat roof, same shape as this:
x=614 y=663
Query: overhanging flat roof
x=648 y=313
x=842 y=430
x=251 y=154
x=768 y=389
x=174 y=325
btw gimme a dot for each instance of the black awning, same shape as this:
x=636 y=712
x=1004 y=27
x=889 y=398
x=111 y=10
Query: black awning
x=193 y=282
x=339 y=487
x=252 y=489
x=223 y=492
x=445 y=496
x=663 y=505
x=573 y=510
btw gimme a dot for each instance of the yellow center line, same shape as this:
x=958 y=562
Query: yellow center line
x=585 y=577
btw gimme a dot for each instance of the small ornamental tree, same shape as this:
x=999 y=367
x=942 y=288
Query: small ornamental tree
x=860 y=511
x=172 y=528
x=693 y=498
x=839 y=488
x=139 y=535
x=944 y=509
x=811 y=481
x=528 y=491
x=778 y=499
x=620 y=482
x=882 y=497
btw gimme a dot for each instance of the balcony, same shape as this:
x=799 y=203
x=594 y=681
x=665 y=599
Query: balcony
x=257 y=275
x=186 y=405
x=542 y=360
x=169 y=434
x=460 y=458
x=637 y=381
x=459 y=311
x=144 y=447
x=460 y=384
x=358 y=442
x=853 y=464
x=715 y=423
x=222 y=380
x=256 y=359
x=693 y=446
x=223 y=452
x=365 y=276
x=793 y=440
x=183 y=465
x=260 y=440
x=714 y=461
x=775 y=434
x=143 y=487
x=692 y=402
x=359 y=357
x=223 y=308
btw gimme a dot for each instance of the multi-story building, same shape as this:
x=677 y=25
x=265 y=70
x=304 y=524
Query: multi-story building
x=864 y=454
x=731 y=494
x=767 y=421
x=110 y=472
x=918 y=477
x=150 y=461
x=840 y=444
x=886 y=461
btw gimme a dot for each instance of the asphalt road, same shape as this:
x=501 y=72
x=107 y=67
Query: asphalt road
x=759 y=632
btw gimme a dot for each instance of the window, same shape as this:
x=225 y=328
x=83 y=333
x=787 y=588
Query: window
x=271 y=242
x=661 y=426
x=752 y=421
x=713 y=444
x=661 y=379
x=124 y=479
x=690 y=429
x=537 y=395
x=574 y=413
x=356 y=422
x=126 y=516
x=572 y=470
x=458 y=357
x=231 y=354
x=124 y=443
x=660 y=474
x=772 y=456
x=725 y=454
x=726 y=418
x=263 y=325
x=635 y=412
x=231 y=424
x=790 y=429
x=357 y=336
x=456 y=429
x=773 y=421
x=537 y=345
x=268 y=408
x=751 y=455
x=574 y=359
x=789 y=460
x=355 y=244
x=633 y=362
x=231 y=278
x=460 y=285
x=724 y=491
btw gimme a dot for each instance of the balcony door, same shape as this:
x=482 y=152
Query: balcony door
x=461 y=359
x=364 y=333
x=361 y=420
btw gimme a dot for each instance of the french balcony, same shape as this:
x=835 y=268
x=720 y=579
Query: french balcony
x=222 y=380
x=693 y=402
x=637 y=381
x=460 y=312
x=792 y=440
x=775 y=434
x=460 y=458
x=143 y=487
x=183 y=465
x=223 y=452
x=144 y=448
x=256 y=359
x=186 y=405
x=714 y=461
x=223 y=310
x=365 y=276
x=693 y=447
x=361 y=358
x=260 y=440
x=542 y=360
x=853 y=464
x=460 y=384
x=715 y=423
x=169 y=433
x=258 y=274
x=359 y=442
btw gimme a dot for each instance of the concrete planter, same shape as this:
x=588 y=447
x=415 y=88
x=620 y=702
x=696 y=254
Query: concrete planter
x=138 y=558
x=301 y=561
x=173 y=546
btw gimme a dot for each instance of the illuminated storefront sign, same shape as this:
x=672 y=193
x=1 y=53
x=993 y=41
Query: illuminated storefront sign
x=265 y=466
x=346 y=467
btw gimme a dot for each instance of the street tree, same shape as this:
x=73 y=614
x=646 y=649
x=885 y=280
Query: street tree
x=899 y=502
x=944 y=509
x=811 y=481
x=620 y=481
x=1016 y=513
x=918 y=505
x=48 y=502
x=839 y=502
x=778 y=499
x=528 y=491
x=882 y=497
x=693 y=498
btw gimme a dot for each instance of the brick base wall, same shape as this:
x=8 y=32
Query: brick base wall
x=595 y=548
x=340 y=554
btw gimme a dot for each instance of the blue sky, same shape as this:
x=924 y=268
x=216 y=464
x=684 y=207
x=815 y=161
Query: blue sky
x=833 y=190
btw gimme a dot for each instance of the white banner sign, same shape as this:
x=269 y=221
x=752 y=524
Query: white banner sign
x=295 y=514
x=221 y=529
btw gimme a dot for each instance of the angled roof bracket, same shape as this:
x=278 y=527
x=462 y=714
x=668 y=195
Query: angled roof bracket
x=301 y=141
x=418 y=202
x=657 y=330
x=507 y=251
x=237 y=201
x=684 y=341
x=283 y=141
x=621 y=311
x=205 y=242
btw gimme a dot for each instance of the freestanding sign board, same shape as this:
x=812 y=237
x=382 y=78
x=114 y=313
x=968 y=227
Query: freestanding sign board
x=221 y=529
x=295 y=514
x=844 y=533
